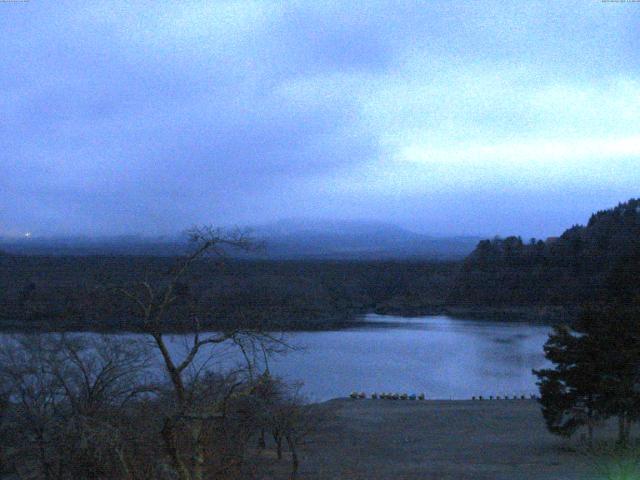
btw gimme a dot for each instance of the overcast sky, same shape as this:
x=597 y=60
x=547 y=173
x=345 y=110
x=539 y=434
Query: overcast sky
x=452 y=117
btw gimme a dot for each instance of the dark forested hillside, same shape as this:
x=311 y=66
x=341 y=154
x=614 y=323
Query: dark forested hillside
x=505 y=278
x=592 y=263
x=74 y=291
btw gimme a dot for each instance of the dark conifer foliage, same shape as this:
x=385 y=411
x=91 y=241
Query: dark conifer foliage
x=596 y=373
x=586 y=264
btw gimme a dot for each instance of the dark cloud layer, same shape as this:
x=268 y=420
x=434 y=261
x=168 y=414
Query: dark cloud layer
x=447 y=117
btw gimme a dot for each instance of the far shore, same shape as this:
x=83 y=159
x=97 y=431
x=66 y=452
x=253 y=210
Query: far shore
x=538 y=315
x=534 y=314
x=442 y=439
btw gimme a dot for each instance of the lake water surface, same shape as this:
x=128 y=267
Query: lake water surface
x=438 y=355
x=443 y=357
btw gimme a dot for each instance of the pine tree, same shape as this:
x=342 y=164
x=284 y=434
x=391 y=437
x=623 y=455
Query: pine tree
x=569 y=392
x=596 y=372
x=613 y=335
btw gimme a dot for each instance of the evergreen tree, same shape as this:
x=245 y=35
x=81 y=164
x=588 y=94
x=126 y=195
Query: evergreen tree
x=613 y=335
x=569 y=392
x=595 y=374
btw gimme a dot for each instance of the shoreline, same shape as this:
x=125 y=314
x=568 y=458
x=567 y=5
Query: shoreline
x=534 y=314
x=547 y=315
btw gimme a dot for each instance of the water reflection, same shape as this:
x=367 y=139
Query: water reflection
x=441 y=356
x=438 y=355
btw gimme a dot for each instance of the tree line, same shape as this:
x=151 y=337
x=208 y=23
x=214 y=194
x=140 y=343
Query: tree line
x=593 y=263
x=595 y=374
x=59 y=293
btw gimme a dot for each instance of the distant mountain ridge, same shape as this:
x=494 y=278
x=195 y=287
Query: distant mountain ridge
x=295 y=239
x=358 y=239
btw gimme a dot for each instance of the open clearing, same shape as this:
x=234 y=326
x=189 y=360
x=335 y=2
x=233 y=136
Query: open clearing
x=493 y=440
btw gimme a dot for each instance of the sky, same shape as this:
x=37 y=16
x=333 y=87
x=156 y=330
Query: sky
x=444 y=117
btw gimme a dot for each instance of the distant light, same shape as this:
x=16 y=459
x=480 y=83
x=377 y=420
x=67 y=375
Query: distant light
x=27 y=235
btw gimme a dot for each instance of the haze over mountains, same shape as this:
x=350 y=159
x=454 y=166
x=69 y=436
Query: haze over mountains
x=295 y=239
x=358 y=239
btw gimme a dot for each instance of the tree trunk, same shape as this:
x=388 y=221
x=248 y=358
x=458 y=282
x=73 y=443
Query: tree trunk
x=170 y=444
x=294 y=458
x=174 y=374
x=623 y=431
x=168 y=430
x=278 y=439
x=3 y=407
x=627 y=428
x=198 y=450
x=42 y=451
x=261 y=442
x=620 y=429
x=590 y=427
x=123 y=463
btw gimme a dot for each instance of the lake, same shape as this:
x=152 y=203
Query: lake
x=440 y=356
x=444 y=357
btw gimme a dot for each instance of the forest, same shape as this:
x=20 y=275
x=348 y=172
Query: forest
x=76 y=292
x=595 y=263
x=538 y=280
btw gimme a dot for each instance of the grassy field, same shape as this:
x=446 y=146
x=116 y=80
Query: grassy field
x=492 y=440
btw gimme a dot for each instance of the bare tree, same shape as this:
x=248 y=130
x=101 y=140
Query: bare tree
x=155 y=305
x=64 y=395
x=4 y=407
x=284 y=412
x=85 y=407
x=294 y=420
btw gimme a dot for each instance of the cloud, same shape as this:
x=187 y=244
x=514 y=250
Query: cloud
x=480 y=128
x=121 y=116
